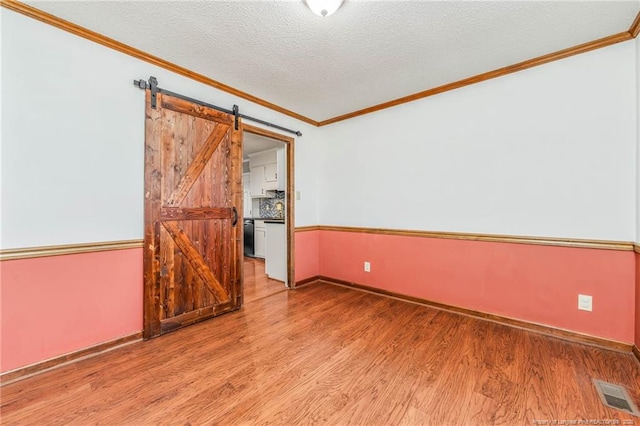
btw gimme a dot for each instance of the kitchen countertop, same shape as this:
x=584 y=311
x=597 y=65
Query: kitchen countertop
x=273 y=219
x=281 y=221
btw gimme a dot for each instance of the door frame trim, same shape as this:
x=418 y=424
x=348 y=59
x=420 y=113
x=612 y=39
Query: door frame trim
x=290 y=207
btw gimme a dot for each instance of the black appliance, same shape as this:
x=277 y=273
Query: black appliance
x=248 y=237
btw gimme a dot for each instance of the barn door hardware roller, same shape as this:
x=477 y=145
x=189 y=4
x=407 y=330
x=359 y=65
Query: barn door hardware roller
x=236 y=114
x=152 y=85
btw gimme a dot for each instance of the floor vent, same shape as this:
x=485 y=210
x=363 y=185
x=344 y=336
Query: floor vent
x=615 y=396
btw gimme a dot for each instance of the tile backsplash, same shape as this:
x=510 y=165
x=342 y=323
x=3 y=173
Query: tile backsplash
x=269 y=206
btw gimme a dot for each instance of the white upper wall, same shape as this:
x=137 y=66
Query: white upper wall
x=549 y=151
x=73 y=138
x=1 y=104
x=637 y=42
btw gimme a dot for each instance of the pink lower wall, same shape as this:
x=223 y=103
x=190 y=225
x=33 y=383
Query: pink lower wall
x=637 y=340
x=307 y=257
x=51 y=306
x=533 y=283
x=55 y=305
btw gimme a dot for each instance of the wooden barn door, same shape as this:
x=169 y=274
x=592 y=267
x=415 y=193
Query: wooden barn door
x=193 y=199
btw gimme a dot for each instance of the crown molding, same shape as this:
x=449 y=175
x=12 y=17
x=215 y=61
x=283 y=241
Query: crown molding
x=634 y=29
x=72 y=28
x=540 y=60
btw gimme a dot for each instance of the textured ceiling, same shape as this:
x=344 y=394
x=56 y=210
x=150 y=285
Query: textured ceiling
x=369 y=52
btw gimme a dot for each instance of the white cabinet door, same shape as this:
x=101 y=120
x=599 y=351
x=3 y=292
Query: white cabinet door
x=271 y=177
x=259 y=239
x=259 y=243
x=257 y=181
x=276 y=259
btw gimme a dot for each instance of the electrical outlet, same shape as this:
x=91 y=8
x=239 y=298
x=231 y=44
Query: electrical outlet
x=367 y=267
x=585 y=302
x=297 y=195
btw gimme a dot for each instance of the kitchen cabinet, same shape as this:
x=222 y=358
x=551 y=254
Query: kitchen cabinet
x=267 y=172
x=257 y=189
x=259 y=239
x=263 y=180
x=271 y=177
x=276 y=258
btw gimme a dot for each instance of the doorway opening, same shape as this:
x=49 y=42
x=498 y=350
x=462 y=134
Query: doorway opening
x=193 y=235
x=268 y=212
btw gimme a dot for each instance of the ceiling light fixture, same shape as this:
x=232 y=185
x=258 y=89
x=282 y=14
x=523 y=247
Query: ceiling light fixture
x=323 y=7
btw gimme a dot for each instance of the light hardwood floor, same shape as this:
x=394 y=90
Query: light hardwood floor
x=256 y=283
x=325 y=354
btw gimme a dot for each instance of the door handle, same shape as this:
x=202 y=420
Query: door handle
x=235 y=217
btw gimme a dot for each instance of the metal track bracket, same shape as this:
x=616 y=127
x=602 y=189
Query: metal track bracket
x=152 y=85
